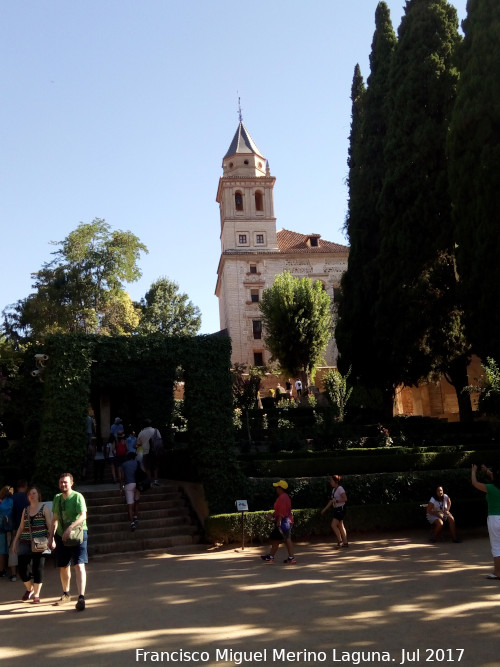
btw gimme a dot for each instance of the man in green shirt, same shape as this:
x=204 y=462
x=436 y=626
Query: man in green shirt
x=69 y=511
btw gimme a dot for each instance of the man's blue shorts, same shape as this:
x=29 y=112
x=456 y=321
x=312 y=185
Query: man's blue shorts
x=66 y=555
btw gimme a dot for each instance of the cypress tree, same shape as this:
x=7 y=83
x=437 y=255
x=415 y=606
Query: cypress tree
x=474 y=168
x=418 y=327
x=354 y=332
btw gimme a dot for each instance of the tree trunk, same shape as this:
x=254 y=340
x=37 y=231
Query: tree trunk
x=458 y=378
x=388 y=403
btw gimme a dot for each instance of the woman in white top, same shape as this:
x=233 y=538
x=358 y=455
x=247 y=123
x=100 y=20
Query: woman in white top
x=438 y=513
x=338 y=501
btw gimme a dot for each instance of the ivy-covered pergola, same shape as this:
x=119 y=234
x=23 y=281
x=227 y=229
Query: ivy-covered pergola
x=145 y=368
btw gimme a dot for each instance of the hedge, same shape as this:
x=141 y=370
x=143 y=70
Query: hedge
x=364 y=461
x=374 y=489
x=309 y=523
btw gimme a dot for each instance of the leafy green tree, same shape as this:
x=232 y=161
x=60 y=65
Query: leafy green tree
x=10 y=360
x=359 y=288
x=419 y=326
x=81 y=289
x=489 y=398
x=474 y=169
x=297 y=319
x=337 y=391
x=246 y=385
x=165 y=310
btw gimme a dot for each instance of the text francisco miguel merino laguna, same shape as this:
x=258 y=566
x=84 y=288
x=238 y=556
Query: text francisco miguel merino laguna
x=268 y=656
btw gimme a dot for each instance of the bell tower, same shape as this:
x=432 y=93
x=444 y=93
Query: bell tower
x=245 y=197
x=248 y=240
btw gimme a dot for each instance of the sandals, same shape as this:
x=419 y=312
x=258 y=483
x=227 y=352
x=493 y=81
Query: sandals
x=492 y=576
x=340 y=545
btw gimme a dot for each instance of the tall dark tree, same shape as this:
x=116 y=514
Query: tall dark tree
x=354 y=331
x=419 y=321
x=474 y=168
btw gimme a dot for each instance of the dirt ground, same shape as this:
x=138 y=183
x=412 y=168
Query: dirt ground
x=387 y=598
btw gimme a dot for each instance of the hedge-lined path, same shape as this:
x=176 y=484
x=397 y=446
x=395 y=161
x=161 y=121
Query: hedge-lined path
x=387 y=592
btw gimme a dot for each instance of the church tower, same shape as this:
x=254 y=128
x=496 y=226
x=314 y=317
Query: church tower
x=248 y=234
x=253 y=252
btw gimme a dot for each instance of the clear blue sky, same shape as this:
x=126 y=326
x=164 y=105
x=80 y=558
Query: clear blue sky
x=123 y=110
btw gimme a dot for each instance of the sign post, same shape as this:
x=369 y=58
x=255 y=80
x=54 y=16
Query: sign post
x=242 y=507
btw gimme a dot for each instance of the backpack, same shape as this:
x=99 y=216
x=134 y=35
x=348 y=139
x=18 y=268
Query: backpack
x=156 y=442
x=121 y=448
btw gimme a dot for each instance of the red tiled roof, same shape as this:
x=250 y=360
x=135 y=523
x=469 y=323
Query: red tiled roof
x=292 y=242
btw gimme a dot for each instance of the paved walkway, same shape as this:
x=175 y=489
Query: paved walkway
x=386 y=594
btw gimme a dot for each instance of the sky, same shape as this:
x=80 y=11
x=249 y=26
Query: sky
x=124 y=109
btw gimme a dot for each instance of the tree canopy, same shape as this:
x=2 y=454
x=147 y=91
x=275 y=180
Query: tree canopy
x=360 y=283
x=297 y=319
x=82 y=288
x=165 y=310
x=419 y=321
x=474 y=174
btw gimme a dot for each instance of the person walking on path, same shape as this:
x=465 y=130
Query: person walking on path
x=121 y=450
x=283 y=519
x=19 y=503
x=129 y=487
x=69 y=511
x=298 y=387
x=492 y=491
x=438 y=513
x=150 y=457
x=35 y=522
x=338 y=501
x=109 y=454
x=6 y=504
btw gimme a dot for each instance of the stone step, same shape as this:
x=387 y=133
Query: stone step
x=124 y=533
x=114 y=497
x=164 y=522
x=180 y=514
x=137 y=542
x=158 y=506
x=123 y=523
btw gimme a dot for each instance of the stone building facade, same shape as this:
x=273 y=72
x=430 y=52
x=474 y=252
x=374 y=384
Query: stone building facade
x=253 y=252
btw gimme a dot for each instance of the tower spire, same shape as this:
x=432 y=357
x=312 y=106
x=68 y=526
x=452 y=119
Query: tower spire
x=240 y=113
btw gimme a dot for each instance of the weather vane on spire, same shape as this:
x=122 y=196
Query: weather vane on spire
x=240 y=114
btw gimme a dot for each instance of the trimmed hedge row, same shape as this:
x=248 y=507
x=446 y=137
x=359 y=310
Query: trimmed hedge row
x=375 y=489
x=309 y=523
x=354 y=461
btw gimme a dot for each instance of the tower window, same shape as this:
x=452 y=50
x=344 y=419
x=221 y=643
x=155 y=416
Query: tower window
x=257 y=329
x=259 y=204
x=254 y=295
x=259 y=239
x=238 y=201
x=314 y=242
x=253 y=268
x=242 y=239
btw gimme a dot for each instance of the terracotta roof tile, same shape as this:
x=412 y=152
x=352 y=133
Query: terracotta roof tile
x=293 y=242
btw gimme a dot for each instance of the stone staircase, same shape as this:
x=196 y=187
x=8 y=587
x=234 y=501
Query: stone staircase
x=165 y=520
